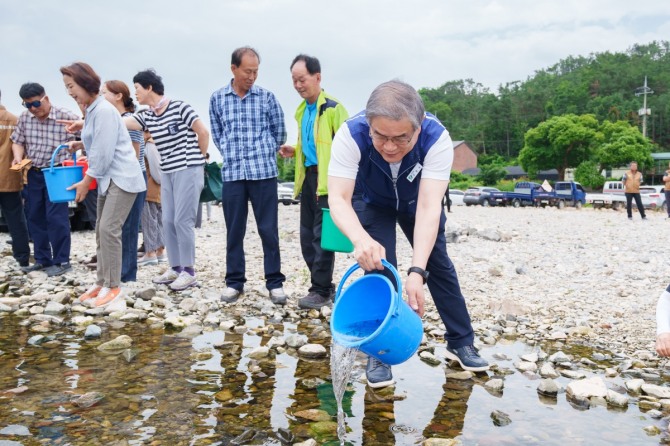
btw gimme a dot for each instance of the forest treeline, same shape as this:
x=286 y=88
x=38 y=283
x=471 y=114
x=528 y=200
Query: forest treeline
x=602 y=84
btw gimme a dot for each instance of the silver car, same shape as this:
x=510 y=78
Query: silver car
x=653 y=197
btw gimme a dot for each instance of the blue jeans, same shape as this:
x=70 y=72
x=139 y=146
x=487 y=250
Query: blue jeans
x=264 y=202
x=442 y=281
x=129 y=236
x=48 y=223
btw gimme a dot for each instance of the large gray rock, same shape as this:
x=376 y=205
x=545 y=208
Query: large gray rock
x=586 y=389
x=54 y=308
x=93 y=332
x=313 y=351
x=119 y=343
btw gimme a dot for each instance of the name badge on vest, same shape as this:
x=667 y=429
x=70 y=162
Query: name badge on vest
x=414 y=172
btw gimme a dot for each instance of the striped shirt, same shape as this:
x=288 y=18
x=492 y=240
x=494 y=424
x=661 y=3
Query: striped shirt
x=40 y=138
x=137 y=137
x=247 y=131
x=173 y=134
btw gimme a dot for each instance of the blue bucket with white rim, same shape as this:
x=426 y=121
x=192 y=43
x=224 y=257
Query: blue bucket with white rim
x=58 y=179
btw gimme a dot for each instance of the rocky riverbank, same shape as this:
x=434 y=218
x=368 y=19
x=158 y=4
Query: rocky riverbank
x=538 y=275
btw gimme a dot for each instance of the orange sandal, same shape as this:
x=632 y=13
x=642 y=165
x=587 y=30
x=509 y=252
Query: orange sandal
x=90 y=293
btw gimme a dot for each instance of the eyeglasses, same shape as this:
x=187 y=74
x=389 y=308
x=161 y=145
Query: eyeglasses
x=34 y=104
x=397 y=140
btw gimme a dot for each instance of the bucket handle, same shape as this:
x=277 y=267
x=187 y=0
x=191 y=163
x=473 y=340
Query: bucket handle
x=355 y=266
x=53 y=157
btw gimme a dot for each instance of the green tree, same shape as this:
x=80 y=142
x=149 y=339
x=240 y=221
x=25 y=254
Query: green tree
x=489 y=175
x=588 y=174
x=286 y=168
x=559 y=143
x=622 y=143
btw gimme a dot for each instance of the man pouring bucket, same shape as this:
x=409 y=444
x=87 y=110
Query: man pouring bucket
x=398 y=158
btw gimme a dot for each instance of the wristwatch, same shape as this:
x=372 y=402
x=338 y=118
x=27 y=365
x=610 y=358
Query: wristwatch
x=422 y=272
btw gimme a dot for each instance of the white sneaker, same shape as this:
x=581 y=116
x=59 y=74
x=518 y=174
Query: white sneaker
x=184 y=281
x=167 y=277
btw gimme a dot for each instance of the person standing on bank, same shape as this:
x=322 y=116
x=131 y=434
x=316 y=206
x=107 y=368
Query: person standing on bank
x=11 y=183
x=248 y=129
x=631 y=183
x=666 y=188
x=112 y=162
x=399 y=159
x=118 y=94
x=319 y=116
x=35 y=137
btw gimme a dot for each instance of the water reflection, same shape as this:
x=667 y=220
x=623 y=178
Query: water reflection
x=206 y=390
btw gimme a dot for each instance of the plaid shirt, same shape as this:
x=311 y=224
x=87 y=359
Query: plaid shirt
x=247 y=131
x=40 y=138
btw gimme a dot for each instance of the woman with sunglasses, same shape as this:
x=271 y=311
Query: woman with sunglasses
x=112 y=162
x=118 y=94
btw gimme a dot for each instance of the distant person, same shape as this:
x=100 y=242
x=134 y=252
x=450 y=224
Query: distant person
x=112 y=163
x=663 y=323
x=11 y=183
x=207 y=204
x=248 y=129
x=36 y=136
x=398 y=158
x=447 y=199
x=319 y=116
x=666 y=181
x=631 y=183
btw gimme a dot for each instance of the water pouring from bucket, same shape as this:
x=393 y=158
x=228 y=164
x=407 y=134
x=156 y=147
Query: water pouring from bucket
x=371 y=315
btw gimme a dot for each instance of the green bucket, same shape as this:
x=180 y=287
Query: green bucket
x=332 y=238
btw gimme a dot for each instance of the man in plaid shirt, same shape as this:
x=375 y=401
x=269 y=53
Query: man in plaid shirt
x=36 y=136
x=248 y=129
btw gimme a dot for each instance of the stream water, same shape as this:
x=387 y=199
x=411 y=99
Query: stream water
x=172 y=390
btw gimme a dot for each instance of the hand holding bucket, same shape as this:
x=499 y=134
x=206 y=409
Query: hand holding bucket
x=372 y=316
x=60 y=179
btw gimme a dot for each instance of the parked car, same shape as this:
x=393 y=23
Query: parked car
x=479 y=195
x=285 y=194
x=456 y=197
x=290 y=185
x=653 y=197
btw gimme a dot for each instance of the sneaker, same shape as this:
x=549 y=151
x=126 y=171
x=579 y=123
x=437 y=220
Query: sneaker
x=34 y=267
x=185 y=280
x=162 y=259
x=630 y=218
x=166 y=278
x=230 y=295
x=58 y=269
x=378 y=374
x=278 y=296
x=91 y=293
x=468 y=358
x=144 y=261
x=111 y=299
x=315 y=301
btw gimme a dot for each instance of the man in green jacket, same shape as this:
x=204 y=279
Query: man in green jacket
x=318 y=116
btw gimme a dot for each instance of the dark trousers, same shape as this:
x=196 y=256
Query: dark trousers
x=11 y=205
x=48 y=223
x=91 y=205
x=129 y=236
x=264 y=202
x=320 y=262
x=638 y=203
x=442 y=281
x=667 y=202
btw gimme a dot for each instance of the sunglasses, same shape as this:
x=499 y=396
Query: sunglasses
x=34 y=104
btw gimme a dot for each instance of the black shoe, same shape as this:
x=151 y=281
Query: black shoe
x=58 y=269
x=34 y=267
x=468 y=358
x=314 y=301
x=378 y=374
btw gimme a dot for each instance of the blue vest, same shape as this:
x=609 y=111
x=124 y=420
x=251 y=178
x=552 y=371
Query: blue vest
x=374 y=183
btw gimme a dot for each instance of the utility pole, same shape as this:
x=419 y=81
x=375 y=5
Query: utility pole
x=644 y=111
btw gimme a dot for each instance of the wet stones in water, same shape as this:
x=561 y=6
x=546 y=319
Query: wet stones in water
x=313 y=415
x=548 y=387
x=87 y=400
x=500 y=418
x=37 y=340
x=15 y=429
x=495 y=386
x=116 y=345
x=92 y=332
x=430 y=358
x=313 y=351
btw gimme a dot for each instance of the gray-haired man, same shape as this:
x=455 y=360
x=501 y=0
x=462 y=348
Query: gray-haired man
x=399 y=160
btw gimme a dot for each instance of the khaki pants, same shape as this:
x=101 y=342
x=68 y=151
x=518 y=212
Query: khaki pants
x=113 y=209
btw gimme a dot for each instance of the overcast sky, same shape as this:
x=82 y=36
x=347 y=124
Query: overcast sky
x=359 y=43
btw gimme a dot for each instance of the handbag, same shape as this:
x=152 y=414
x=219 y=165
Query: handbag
x=213 y=183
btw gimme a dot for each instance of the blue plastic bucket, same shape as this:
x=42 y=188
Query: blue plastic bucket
x=58 y=179
x=372 y=317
